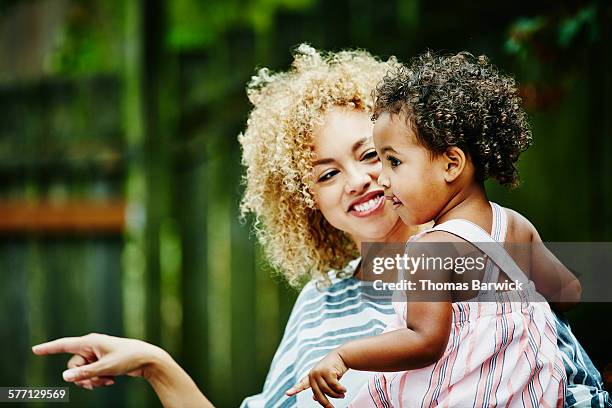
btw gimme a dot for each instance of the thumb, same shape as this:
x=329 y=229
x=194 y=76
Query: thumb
x=85 y=372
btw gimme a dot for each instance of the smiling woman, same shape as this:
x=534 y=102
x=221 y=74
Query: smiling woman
x=345 y=165
x=312 y=175
x=311 y=168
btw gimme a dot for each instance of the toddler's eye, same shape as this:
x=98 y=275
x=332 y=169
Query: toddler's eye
x=371 y=155
x=327 y=175
x=393 y=161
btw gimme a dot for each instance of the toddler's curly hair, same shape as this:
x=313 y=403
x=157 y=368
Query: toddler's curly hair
x=464 y=101
x=277 y=152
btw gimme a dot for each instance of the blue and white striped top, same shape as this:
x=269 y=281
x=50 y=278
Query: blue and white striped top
x=322 y=320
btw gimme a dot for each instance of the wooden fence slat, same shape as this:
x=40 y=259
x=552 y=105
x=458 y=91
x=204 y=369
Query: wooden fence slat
x=192 y=194
x=69 y=217
x=243 y=300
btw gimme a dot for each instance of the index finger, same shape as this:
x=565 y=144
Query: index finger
x=299 y=387
x=64 y=345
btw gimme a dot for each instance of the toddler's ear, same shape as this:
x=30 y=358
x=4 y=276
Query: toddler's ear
x=454 y=161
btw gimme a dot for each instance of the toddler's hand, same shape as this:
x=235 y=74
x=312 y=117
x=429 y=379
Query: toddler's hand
x=323 y=379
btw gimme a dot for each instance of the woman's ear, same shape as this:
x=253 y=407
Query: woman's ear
x=454 y=162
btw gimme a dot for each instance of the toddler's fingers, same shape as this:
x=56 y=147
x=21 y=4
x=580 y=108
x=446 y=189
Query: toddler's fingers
x=299 y=387
x=318 y=395
x=334 y=384
x=326 y=389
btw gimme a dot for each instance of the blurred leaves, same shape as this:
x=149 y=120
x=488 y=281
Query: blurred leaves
x=547 y=36
x=90 y=39
x=552 y=49
x=196 y=24
x=570 y=28
x=522 y=32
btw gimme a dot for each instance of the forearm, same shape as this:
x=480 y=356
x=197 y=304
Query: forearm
x=173 y=385
x=402 y=349
x=569 y=297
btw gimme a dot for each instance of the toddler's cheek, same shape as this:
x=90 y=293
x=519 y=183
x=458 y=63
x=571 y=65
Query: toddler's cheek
x=405 y=216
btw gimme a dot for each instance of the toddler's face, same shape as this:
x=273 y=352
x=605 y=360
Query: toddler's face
x=412 y=178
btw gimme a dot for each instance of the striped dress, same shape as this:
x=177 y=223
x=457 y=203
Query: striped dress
x=325 y=318
x=502 y=348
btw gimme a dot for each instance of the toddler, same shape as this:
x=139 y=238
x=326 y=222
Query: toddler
x=443 y=126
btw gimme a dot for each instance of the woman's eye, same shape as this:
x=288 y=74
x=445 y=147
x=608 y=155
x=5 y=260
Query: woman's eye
x=371 y=155
x=327 y=175
x=393 y=161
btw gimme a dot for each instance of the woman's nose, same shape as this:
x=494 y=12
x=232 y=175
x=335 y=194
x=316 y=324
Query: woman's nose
x=357 y=182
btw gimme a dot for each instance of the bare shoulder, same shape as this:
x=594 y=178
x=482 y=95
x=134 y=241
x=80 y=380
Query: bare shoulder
x=438 y=236
x=520 y=229
x=440 y=243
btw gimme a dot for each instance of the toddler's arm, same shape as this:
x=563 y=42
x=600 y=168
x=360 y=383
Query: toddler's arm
x=420 y=344
x=552 y=279
x=428 y=320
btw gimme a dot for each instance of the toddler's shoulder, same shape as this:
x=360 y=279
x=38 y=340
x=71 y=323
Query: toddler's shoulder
x=435 y=236
x=437 y=243
x=520 y=229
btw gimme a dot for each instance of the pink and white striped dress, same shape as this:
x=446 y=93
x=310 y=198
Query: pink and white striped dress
x=500 y=353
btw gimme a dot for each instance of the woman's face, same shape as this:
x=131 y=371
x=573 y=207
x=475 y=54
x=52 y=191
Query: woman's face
x=346 y=170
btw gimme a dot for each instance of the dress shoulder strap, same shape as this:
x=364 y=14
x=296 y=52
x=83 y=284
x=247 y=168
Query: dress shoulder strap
x=500 y=223
x=482 y=240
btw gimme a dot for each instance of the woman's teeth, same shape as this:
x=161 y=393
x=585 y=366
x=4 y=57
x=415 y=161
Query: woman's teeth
x=368 y=205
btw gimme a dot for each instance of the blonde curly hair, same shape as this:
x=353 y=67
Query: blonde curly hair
x=277 y=152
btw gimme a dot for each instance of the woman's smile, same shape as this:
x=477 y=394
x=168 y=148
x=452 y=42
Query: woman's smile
x=368 y=204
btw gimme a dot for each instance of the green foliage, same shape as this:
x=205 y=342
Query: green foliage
x=521 y=32
x=90 y=39
x=571 y=27
x=195 y=24
x=530 y=36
